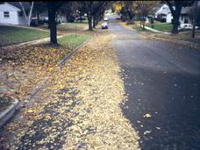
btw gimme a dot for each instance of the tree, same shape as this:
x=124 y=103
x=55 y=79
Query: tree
x=29 y=15
x=69 y=8
x=194 y=14
x=39 y=7
x=94 y=9
x=52 y=10
x=142 y=9
x=117 y=6
x=176 y=7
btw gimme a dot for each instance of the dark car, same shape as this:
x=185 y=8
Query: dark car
x=36 y=22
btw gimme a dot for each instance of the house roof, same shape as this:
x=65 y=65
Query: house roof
x=164 y=9
x=186 y=10
x=8 y=7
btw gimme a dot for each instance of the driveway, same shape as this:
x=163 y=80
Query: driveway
x=163 y=86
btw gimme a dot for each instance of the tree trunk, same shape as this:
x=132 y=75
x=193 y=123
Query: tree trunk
x=27 y=18
x=68 y=16
x=144 y=23
x=176 y=15
x=94 y=21
x=175 y=23
x=194 y=19
x=30 y=13
x=38 y=17
x=90 y=22
x=52 y=23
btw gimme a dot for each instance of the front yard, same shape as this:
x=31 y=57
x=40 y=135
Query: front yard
x=13 y=35
x=21 y=69
x=165 y=27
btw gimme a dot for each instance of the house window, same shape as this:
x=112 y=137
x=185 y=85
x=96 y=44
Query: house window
x=6 y=14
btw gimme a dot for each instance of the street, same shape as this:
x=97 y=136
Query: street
x=119 y=91
x=163 y=82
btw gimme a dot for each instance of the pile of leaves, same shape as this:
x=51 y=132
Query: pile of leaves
x=80 y=107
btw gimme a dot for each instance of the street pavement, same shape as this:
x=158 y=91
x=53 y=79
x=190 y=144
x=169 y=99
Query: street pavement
x=163 y=86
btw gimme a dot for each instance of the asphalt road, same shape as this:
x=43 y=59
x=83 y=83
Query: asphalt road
x=163 y=83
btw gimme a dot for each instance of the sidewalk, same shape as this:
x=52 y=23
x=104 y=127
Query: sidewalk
x=154 y=30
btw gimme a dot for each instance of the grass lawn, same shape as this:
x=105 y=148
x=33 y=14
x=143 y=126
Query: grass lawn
x=72 y=26
x=165 y=27
x=72 y=41
x=138 y=28
x=12 y=35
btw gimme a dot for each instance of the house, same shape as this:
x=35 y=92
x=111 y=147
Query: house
x=186 y=13
x=11 y=13
x=164 y=14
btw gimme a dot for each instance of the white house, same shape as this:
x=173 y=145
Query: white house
x=11 y=14
x=164 y=12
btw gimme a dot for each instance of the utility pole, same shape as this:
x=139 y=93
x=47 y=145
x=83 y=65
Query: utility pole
x=194 y=18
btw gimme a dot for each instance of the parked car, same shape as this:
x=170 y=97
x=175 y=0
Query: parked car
x=105 y=18
x=104 y=25
x=36 y=22
x=186 y=26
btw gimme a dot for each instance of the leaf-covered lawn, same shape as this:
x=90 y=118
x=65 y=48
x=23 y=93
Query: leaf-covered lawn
x=22 y=68
x=12 y=35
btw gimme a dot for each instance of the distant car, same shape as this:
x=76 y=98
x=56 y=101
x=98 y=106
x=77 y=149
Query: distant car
x=104 y=25
x=186 y=26
x=105 y=19
x=36 y=22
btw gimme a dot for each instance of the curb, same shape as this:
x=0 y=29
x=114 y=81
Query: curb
x=9 y=112
x=67 y=57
